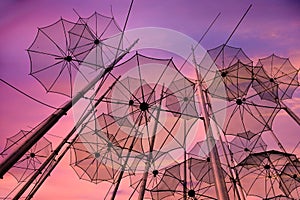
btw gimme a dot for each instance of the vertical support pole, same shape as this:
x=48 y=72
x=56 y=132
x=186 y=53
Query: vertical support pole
x=220 y=184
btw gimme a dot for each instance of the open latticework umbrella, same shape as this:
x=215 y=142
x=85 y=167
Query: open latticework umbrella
x=157 y=162
x=190 y=179
x=95 y=155
x=275 y=78
x=141 y=105
x=52 y=63
x=247 y=114
x=290 y=176
x=259 y=173
x=232 y=82
x=180 y=99
x=32 y=160
x=96 y=35
x=201 y=150
x=244 y=144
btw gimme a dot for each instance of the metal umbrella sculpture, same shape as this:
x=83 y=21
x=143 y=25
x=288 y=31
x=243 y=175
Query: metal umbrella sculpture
x=140 y=109
x=259 y=173
x=52 y=62
x=158 y=162
x=246 y=143
x=199 y=182
x=234 y=75
x=290 y=176
x=149 y=125
x=94 y=157
x=96 y=40
x=276 y=79
x=32 y=160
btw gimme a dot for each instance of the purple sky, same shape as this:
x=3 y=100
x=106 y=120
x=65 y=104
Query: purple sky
x=272 y=26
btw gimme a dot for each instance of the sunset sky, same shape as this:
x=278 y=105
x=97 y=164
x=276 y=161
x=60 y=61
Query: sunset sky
x=271 y=26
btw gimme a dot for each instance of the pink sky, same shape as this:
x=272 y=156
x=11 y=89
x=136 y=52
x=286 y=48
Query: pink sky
x=271 y=27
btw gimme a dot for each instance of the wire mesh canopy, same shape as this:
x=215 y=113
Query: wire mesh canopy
x=246 y=115
x=243 y=145
x=232 y=82
x=32 y=160
x=290 y=176
x=96 y=35
x=180 y=99
x=190 y=179
x=141 y=105
x=136 y=93
x=225 y=56
x=275 y=78
x=155 y=164
x=201 y=150
x=259 y=173
x=52 y=64
x=95 y=155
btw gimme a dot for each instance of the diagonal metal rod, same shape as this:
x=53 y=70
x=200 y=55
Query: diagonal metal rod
x=59 y=147
x=54 y=118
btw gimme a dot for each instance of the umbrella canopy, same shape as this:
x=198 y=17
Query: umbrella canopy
x=196 y=181
x=96 y=156
x=158 y=162
x=246 y=115
x=52 y=63
x=232 y=82
x=259 y=173
x=180 y=99
x=98 y=35
x=290 y=176
x=243 y=145
x=141 y=105
x=32 y=160
x=275 y=78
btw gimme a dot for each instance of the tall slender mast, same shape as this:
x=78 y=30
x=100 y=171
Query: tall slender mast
x=221 y=189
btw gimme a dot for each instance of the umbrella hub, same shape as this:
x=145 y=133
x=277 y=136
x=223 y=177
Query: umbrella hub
x=96 y=41
x=223 y=74
x=185 y=99
x=191 y=193
x=246 y=149
x=208 y=159
x=32 y=155
x=294 y=176
x=97 y=155
x=131 y=102
x=68 y=58
x=240 y=101
x=272 y=80
x=144 y=106
x=155 y=172
x=267 y=166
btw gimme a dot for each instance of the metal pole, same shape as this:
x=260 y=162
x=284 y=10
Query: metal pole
x=221 y=189
x=53 y=119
